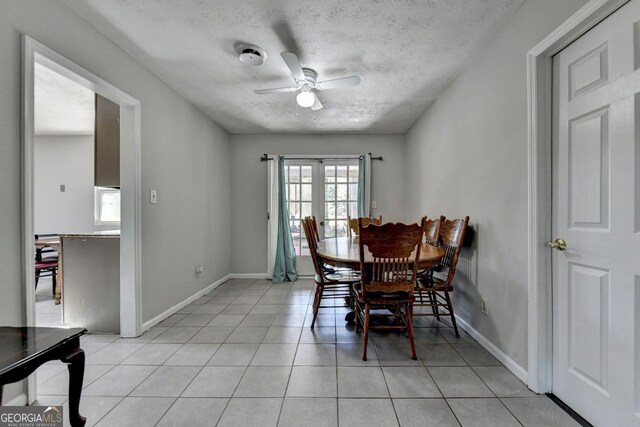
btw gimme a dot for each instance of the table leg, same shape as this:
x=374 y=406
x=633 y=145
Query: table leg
x=75 y=363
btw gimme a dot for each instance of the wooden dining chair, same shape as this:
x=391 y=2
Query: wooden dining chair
x=386 y=254
x=431 y=229
x=437 y=283
x=314 y=228
x=332 y=285
x=353 y=224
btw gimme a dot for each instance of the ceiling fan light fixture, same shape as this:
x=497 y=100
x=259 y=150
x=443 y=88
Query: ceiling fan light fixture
x=305 y=99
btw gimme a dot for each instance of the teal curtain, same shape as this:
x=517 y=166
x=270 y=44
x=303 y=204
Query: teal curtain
x=285 y=266
x=362 y=182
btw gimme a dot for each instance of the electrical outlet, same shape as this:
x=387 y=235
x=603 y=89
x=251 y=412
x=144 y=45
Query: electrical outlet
x=63 y=188
x=484 y=306
x=373 y=204
x=199 y=270
x=153 y=196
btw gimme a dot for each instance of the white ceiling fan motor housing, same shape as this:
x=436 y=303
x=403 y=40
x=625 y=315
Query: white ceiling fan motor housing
x=310 y=75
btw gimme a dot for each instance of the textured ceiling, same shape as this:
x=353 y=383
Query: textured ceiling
x=406 y=51
x=61 y=107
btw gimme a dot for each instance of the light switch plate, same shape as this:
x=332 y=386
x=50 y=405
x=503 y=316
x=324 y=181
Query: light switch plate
x=153 y=195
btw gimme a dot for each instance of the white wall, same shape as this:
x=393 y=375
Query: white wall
x=185 y=156
x=64 y=160
x=467 y=155
x=248 y=183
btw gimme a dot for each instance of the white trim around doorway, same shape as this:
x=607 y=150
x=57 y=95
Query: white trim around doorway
x=539 y=92
x=130 y=177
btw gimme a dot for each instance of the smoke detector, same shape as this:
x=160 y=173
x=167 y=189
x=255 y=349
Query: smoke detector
x=251 y=55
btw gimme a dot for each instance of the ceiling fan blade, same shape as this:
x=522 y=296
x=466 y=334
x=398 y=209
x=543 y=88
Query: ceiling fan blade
x=317 y=105
x=276 y=90
x=293 y=63
x=338 y=83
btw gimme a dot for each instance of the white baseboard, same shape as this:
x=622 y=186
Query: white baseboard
x=19 y=400
x=171 y=310
x=248 y=276
x=507 y=361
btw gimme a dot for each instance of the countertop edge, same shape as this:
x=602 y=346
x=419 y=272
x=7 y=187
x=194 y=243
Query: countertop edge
x=97 y=234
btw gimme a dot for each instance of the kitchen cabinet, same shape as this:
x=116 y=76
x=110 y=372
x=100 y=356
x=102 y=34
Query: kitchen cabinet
x=107 y=143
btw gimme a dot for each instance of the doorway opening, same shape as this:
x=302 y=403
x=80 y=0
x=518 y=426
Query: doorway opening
x=36 y=56
x=63 y=153
x=325 y=189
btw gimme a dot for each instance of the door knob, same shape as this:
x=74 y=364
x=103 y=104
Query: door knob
x=558 y=244
x=322 y=223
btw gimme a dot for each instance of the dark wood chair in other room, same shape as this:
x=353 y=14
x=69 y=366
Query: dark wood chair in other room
x=387 y=253
x=46 y=262
x=353 y=224
x=331 y=285
x=437 y=283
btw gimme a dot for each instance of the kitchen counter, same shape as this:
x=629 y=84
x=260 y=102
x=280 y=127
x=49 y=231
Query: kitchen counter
x=91 y=277
x=105 y=233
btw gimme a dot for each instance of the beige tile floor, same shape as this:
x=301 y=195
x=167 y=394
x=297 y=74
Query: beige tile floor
x=244 y=355
x=47 y=312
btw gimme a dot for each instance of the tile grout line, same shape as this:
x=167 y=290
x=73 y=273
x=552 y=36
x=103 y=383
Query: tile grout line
x=246 y=368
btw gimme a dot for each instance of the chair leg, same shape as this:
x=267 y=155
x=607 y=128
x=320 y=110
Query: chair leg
x=357 y=309
x=453 y=317
x=352 y=297
x=366 y=332
x=316 y=306
x=434 y=304
x=409 y=317
x=37 y=277
x=54 y=281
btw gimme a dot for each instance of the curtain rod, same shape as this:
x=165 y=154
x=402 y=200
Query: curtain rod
x=266 y=157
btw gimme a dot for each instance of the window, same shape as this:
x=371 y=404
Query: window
x=340 y=198
x=107 y=206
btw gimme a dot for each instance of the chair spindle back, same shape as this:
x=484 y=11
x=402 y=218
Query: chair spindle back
x=391 y=246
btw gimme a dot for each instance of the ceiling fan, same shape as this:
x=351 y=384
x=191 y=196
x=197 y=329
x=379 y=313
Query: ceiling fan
x=305 y=79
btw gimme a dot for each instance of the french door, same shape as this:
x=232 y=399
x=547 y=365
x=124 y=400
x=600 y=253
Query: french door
x=596 y=210
x=325 y=189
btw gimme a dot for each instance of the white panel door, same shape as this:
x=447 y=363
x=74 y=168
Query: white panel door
x=596 y=209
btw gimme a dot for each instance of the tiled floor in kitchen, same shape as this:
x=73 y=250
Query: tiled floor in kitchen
x=244 y=355
x=47 y=312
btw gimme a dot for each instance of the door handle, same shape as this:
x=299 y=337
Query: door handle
x=558 y=244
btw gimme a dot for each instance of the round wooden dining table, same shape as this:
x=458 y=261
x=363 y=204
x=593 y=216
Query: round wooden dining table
x=345 y=252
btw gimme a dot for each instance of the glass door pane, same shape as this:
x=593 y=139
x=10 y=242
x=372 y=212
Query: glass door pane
x=340 y=196
x=299 y=182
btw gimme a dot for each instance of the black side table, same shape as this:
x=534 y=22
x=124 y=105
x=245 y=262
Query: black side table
x=23 y=350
